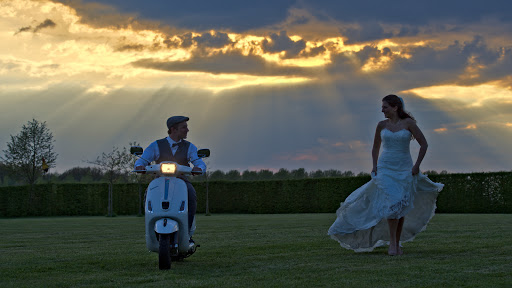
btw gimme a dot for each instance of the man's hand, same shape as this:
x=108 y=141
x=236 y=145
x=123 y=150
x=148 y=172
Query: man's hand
x=197 y=170
x=142 y=169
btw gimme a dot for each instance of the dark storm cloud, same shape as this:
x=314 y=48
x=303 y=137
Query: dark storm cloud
x=454 y=59
x=282 y=43
x=186 y=40
x=371 y=52
x=365 y=32
x=224 y=63
x=408 y=31
x=202 y=15
x=217 y=40
x=205 y=40
x=501 y=68
x=413 y=13
x=427 y=65
x=313 y=51
x=48 y=23
x=242 y=16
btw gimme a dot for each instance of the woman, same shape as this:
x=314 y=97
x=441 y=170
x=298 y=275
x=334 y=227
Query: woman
x=373 y=215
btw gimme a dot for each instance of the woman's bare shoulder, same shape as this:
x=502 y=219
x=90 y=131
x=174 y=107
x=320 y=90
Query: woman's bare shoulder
x=410 y=122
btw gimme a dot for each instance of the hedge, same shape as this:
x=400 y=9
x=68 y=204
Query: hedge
x=67 y=200
x=463 y=193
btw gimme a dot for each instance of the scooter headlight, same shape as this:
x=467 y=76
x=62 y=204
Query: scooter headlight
x=168 y=168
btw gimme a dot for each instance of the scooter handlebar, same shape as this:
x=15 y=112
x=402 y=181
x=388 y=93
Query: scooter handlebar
x=180 y=170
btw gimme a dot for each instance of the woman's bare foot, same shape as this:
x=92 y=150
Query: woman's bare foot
x=392 y=251
x=399 y=251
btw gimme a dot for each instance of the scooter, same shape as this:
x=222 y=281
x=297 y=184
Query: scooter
x=166 y=210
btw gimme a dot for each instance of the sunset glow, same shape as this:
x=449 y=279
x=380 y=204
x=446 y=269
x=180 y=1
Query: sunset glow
x=469 y=95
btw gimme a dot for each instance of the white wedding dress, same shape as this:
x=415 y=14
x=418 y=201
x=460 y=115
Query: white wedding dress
x=361 y=223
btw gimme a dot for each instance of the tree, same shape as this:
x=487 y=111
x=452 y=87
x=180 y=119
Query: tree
x=81 y=174
x=217 y=175
x=299 y=173
x=430 y=172
x=25 y=153
x=233 y=175
x=348 y=174
x=249 y=175
x=282 y=174
x=317 y=174
x=114 y=164
x=332 y=173
x=77 y=173
x=265 y=174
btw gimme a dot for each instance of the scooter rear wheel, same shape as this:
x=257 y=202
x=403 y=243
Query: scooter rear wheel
x=164 y=255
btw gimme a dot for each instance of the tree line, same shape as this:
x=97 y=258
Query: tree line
x=29 y=157
x=97 y=175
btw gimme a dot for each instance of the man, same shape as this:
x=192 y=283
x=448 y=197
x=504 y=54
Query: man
x=175 y=148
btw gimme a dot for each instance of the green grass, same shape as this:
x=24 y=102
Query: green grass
x=292 y=250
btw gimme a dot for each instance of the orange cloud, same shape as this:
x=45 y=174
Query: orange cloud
x=470 y=127
x=308 y=157
x=441 y=130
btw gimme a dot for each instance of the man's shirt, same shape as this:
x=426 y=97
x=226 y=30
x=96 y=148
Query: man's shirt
x=152 y=153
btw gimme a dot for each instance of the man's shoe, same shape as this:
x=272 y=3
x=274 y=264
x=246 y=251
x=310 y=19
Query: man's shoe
x=174 y=250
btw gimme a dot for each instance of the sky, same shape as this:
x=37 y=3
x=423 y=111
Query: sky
x=266 y=84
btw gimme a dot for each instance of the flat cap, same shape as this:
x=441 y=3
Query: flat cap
x=175 y=120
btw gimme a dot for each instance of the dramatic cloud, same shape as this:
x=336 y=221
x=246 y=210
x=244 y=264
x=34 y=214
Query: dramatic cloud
x=203 y=15
x=282 y=43
x=365 y=32
x=233 y=63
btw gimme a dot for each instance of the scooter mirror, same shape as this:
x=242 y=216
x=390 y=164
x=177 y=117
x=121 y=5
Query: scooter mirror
x=203 y=153
x=136 y=150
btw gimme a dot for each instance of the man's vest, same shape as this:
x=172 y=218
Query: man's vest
x=181 y=155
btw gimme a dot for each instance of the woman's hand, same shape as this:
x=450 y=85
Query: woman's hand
x=374 y=170
x=415 y=169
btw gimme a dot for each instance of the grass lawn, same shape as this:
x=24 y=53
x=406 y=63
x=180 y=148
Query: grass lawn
x=292 y=250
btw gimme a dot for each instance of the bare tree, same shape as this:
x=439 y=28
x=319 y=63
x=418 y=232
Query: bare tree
x=26 y=151
x=114 y=164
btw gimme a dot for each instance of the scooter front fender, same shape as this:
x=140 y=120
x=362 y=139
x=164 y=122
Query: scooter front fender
x=166 y=226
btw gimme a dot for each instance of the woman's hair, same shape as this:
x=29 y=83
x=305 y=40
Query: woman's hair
x=395 y=101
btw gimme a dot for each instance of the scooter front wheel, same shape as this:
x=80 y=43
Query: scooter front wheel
x=164 y=255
